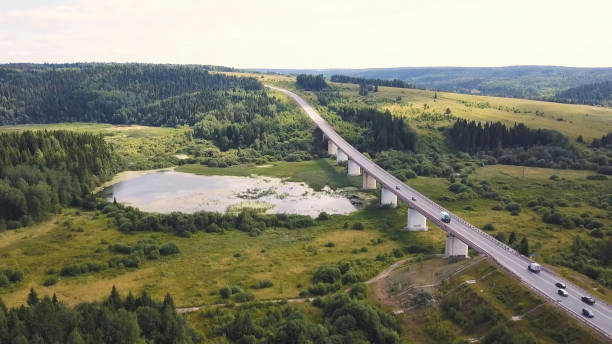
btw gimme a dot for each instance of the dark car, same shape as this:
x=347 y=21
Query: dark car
x=414 y=199
x=397 y=187
x=588 y=299
x=588 y=313
x=560 y=285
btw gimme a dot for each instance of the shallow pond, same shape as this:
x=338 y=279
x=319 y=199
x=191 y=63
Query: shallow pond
x=167 y=191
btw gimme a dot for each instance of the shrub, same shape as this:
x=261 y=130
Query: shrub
x=488 y=227
x=121 y=248
x=397 y=253
x=243 y=297
x=458 y=188
x=497 y=207
x=330 y=244
x=169 y=248
x=359 y=291
x=4 y=281
x=554 y=177
x=350 y=277
x=225 y=292
x=327 y=274
x=323 y=216
x=262 y=284
x=71 y=270
x=513 y=207
x=597 y=233
x=13 y=276
x=50 y=281
x=358 y=226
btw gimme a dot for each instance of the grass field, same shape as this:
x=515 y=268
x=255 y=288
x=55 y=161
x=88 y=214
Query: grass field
x=206 y=262
x=316 y=173
x=572 y=120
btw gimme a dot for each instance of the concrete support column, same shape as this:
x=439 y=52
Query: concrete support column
x=332 y=149
x=324 y=137
x=369 y=183
x=353 y=168
x=416 y=221
x=387 y=197
x=455 y=247
x=341 y=156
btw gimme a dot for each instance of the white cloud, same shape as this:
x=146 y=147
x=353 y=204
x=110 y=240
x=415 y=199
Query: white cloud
x=311 y=34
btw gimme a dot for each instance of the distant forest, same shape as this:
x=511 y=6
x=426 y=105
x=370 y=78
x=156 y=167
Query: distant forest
x=311 y=82
x=592 y=94
x=112 y=93
x=531 y=82
x=375 y=82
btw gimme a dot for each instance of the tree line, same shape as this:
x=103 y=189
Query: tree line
x=345 y=318
x=593 y=94
x=130 y=220
x=475 y=136
x=40 y=171
x=311 y=82
x=385 y=130
x=345 y=79
x=115 y=320
x=108 y=93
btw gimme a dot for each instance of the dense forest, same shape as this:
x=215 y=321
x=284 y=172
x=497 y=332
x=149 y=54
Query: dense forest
x=593 y=94
x=41 y=171
x=255 y=120
x=385 y=131
x=374 y=82
x=474 y=136
x=116 y=320
x=311 y=82
x=520 y=145
x=111 y=93
x=346 y=318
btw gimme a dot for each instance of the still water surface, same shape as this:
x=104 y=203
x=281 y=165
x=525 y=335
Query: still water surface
x=168 y=191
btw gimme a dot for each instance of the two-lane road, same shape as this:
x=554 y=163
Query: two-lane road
x=543 y=282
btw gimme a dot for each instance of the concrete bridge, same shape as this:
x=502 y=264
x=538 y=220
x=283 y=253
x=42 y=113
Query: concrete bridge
x=460 y=234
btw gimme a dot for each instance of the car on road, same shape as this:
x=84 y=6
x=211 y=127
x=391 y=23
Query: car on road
x=397 y=187
x=414 y=199
x=588 y=299
x=534 y=267
x=562 y=292
x=588 y=313
x=445 y=217
x=560 y=285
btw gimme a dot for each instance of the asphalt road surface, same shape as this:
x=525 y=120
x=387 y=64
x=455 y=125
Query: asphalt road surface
x=542 y=282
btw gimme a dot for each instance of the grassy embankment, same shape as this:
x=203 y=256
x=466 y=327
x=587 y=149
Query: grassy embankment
x=493 y=297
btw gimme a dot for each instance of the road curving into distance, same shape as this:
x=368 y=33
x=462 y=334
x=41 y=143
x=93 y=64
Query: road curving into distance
x=543 y=283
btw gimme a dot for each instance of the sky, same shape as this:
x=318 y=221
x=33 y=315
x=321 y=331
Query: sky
x=309 y=33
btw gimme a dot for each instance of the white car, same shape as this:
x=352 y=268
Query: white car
x=562 y=292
